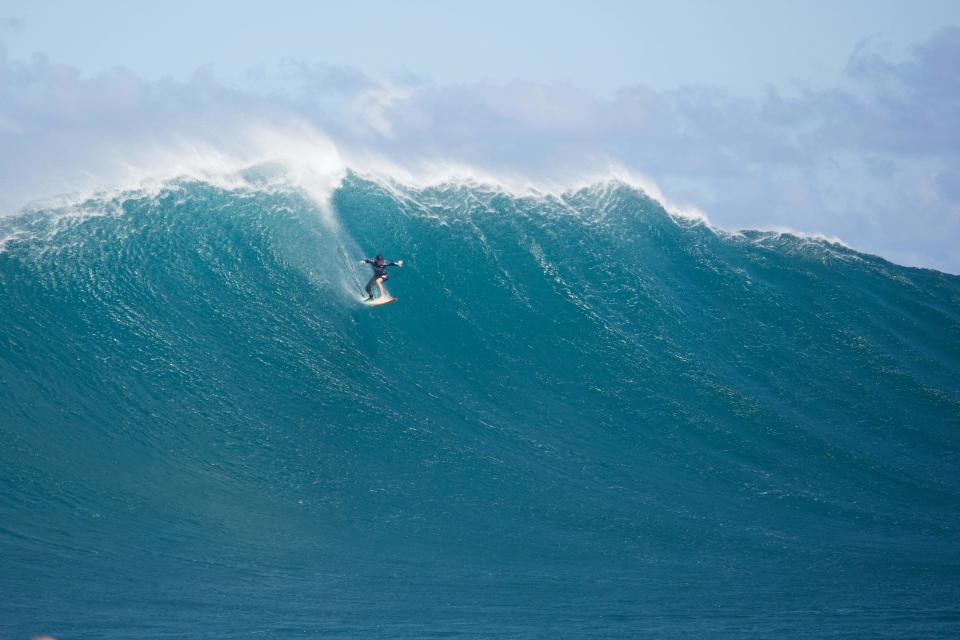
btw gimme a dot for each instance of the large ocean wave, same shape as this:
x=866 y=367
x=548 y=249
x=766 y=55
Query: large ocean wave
x=585 y=417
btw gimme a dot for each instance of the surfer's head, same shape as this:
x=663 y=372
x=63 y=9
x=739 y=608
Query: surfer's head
x=379 y=257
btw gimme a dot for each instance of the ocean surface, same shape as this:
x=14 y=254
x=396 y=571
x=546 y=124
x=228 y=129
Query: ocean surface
x=586 y=417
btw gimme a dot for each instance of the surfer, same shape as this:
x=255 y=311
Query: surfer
x=379 y=273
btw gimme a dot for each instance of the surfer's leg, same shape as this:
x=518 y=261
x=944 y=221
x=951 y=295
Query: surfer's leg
x=370 y=284
x=380 y=284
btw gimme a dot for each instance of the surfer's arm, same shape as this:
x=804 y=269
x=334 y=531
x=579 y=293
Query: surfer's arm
x=398 y=263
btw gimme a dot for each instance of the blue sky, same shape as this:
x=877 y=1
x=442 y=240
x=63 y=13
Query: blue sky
x=597 y=46
x=840 y=118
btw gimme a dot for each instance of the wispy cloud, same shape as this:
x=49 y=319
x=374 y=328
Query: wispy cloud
x=874 y=160
x=11 y=24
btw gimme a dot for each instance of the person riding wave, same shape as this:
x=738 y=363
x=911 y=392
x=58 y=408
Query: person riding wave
x=379 y=273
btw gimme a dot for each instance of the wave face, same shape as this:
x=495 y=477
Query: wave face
x=584 y=418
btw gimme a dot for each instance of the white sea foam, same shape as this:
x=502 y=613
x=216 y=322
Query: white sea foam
x=779 y=230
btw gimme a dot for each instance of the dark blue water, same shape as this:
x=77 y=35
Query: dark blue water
x=584 y=418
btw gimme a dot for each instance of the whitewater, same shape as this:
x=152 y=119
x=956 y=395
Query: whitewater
x=588 y=416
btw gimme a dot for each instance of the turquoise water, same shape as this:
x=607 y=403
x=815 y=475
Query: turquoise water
x=585 y=418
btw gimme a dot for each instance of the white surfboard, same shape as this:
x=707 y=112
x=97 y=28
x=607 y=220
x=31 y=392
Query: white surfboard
x=376 y=302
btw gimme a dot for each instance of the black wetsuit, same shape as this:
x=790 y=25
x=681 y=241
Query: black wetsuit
x=379 y=271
